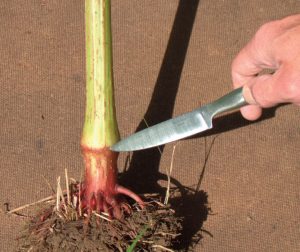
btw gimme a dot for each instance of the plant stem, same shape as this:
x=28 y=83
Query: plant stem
x=100 y=125
x=100 y=129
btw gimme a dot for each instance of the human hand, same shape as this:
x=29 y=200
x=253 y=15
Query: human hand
x=276 y=45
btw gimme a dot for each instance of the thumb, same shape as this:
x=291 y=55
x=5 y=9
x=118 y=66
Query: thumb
x=269 y=90
x=260 y=91
x=255 y=94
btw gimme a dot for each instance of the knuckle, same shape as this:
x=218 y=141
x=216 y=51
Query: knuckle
x=291 y=90
x=234 y=67
x=266 y=33
x=264 y=29
x=290 y=86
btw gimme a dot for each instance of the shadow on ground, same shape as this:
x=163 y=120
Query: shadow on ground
x=143 y=174
x=145 y=163
x=193 y=208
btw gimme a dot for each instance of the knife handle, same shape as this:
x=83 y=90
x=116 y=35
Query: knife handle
x=231 y=101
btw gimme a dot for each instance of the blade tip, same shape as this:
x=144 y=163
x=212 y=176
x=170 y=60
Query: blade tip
x=120 y=148
x=115 y=148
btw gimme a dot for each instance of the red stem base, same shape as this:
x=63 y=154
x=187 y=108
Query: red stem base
x=100 y=191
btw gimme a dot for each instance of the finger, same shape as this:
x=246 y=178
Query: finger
x=263 y=89
x=256 y=55
x=254 y=110
x=283 y=86
x=244 y=67
x=251 y=112
x=290 y=21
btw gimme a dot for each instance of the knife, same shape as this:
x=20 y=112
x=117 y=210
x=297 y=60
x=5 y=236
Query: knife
x=183 y=126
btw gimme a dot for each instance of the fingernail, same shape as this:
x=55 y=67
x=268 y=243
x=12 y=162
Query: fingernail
x=247 y=93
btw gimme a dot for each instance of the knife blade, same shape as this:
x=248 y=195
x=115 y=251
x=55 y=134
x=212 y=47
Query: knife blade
x=183 y=126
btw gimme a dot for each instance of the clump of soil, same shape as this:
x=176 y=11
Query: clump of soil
x=154 y=228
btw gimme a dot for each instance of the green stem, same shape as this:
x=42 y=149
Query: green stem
x=100 y=126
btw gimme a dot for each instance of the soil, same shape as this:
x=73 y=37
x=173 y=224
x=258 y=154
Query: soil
x=157 y=227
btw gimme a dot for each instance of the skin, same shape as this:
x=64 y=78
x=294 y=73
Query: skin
x=276 y=46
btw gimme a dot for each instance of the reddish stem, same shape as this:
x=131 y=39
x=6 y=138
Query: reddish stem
x=100 y=189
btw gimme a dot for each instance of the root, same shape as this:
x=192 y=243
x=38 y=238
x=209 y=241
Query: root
x=63 y=225
x=127 y=192
x=53 y=230
x=100 y=191
x=111 y=204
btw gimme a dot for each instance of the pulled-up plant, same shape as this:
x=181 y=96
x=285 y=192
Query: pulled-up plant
x=100 y=131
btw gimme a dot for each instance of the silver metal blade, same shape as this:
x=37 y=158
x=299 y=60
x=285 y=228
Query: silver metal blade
x=168 y=131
